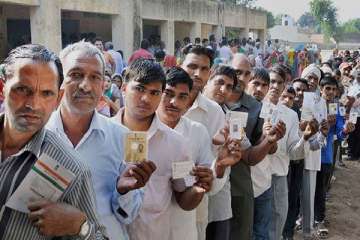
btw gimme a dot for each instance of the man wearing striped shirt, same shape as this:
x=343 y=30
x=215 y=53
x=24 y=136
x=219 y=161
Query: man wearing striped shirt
x=32 y=76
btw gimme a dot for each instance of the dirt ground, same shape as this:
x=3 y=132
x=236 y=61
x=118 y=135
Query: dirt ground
x=343 y=207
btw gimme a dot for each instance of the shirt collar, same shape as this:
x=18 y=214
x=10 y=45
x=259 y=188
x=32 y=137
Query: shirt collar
x=244 y=101
x=156 y=125
x=95 y=124
x=34 y=144
x=199 y=103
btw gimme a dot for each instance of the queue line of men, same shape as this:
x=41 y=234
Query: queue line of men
x=183 y=113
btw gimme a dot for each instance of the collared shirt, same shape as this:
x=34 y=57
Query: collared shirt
x=312 y=156
x=337 y=129
x=80 y=193
x=291 y=146
x=165 y=146
x=354 y=91
x=210 y=114
x=240 y=177
x=101 y=148
x=183 y=223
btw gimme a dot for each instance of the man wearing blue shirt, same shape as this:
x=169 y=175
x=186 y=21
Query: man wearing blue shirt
x=98 y=140
x=328 y=87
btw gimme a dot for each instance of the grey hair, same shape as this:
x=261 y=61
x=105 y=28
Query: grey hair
x=87 y=48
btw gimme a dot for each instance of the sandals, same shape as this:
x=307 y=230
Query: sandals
x=322 y=232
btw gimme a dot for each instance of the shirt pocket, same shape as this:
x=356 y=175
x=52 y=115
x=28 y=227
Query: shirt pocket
x=158 y=193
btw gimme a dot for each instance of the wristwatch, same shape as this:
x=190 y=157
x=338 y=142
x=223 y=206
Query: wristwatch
x=85 y=230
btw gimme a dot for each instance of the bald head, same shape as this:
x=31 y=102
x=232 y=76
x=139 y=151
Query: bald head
x=240 y=59
x=242 y=66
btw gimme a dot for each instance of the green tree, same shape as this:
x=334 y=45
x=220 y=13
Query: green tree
x=270 y=19
x=307 y=20
x=278 y=19
x=325 y=13
x=352 y=26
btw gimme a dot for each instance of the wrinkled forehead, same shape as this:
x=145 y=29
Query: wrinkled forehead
x=84 y=61
x=241 y=64
x=29 y=70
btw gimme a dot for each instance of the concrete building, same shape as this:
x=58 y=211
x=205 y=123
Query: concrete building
x=56 y=23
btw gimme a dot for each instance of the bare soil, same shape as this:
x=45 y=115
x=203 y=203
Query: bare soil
x=343 y=206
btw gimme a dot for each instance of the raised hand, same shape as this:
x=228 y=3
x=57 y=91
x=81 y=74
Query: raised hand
x=135 y=176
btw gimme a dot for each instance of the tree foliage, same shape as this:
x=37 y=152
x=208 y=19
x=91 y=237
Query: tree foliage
x=270 y=19
x=307 y=20
x=325 y=13
x=278 y=19
x=351 y=26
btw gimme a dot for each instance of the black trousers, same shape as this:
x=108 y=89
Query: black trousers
x=295 y=176
x=218 y=230
x=322 y=180
x=354 y=141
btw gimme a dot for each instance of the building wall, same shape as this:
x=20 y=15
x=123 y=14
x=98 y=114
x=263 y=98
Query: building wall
x=124 y=25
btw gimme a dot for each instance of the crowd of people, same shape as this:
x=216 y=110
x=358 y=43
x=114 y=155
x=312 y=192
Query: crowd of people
x=261 y=132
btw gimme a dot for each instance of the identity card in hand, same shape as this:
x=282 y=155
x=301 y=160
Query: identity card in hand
x=353 y=117
x=47 y=179
x=332 y=108
x=238 y=121
x=136 y=147
x=267 y=111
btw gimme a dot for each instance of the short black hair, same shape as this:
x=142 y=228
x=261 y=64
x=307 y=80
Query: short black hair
x=337 y=72
x=204 y=40
x=302 y=80
x=278 y=69
x=287 y=69
x=200 y=50
x=224 y=70
x=34 y=52
x=145 y=44
x=328 y=79
x=197 y=40
x=176 y=75
x=260 y=73
x=159 y=55
x=290 y=89
x=145 y=71
x=98 y=39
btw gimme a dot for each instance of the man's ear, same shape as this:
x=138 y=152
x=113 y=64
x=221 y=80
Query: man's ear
x=60 y=96
x=124 y=86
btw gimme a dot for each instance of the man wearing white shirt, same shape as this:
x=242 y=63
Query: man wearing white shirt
x=312 y=159
x=219 y=88
x=197 y=63
x=225 y=51
x=172 y=106
x=143 y=87
x=353 y=140
x=289 y=147
x=98 y=140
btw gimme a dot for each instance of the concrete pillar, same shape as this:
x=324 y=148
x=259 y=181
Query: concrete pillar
x=3 y=34
x=127 y=28
x=45 y=23
x=195 y=31
x=168 y=35
x=219 y=31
